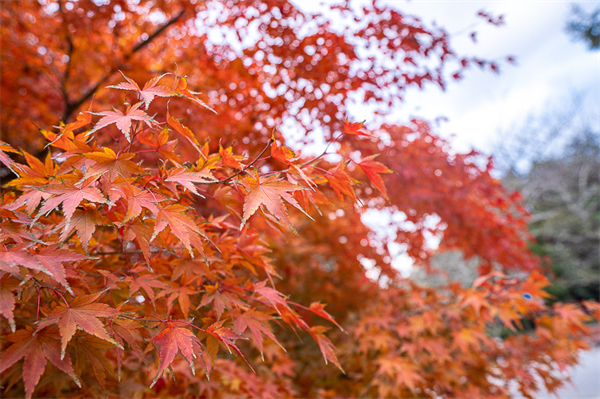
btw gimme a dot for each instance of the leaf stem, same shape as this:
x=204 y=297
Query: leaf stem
x=190 y=324
x=39 y=297
x=152 y=316
x=57 y=292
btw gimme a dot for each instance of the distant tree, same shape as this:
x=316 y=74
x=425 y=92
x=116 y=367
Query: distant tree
x=583 y=26
x=554 y=161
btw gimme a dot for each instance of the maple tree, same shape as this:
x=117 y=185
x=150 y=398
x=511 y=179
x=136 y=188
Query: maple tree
x=151 y=241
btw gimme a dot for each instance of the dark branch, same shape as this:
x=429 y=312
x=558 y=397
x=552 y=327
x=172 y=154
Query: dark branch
x=155 y=34
x=70 y=49
x=72 y=107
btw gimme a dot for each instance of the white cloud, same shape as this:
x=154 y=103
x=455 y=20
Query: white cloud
x=550 y=68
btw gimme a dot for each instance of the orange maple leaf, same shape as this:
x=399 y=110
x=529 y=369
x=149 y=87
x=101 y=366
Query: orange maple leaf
x=340 y=182
x=160 y=143
x=372 y=169
x=356 y=129
x=228 y=159
x=282 y=153
x=183 y=130
x=108 y=161
x=83 y=119
x=288 y=157
x=181 y=89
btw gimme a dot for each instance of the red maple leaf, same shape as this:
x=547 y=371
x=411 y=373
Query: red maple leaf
x=258 y=324
x=123 y=120
x=83 y=313
x=30 y=199
x=147 y=282
x=174 y=338
x=187 y=178
x=151 y=88
x=52 y=258
x=70 y=196
x=220 y=300
x=319 y=309
x=5 y=159
x=84 y=223
x=136 y=199
x=37 y=347
x=325 y=345
x=18 y=256
x=7 y=304
x=182 y=226
x=227 y=337
x=269 y=192
x=273 y=296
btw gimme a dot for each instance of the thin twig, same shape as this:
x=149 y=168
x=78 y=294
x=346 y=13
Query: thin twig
x=245 y=167
x=323 y=154
x=137 y=251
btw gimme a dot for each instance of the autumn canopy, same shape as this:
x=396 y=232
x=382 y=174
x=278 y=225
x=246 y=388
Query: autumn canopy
x=168 y=230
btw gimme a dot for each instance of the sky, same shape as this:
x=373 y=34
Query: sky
x=484 y=107
x=551 y=69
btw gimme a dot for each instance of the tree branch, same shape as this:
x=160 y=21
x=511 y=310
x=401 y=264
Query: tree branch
x=155 y=34
x=72 y=107
x=70 y=49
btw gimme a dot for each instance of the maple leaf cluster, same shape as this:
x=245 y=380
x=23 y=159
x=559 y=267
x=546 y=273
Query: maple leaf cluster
x=109 y=257
x=95 y=224
x=151 y=248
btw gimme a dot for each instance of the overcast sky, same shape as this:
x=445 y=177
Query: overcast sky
x=550 y=68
